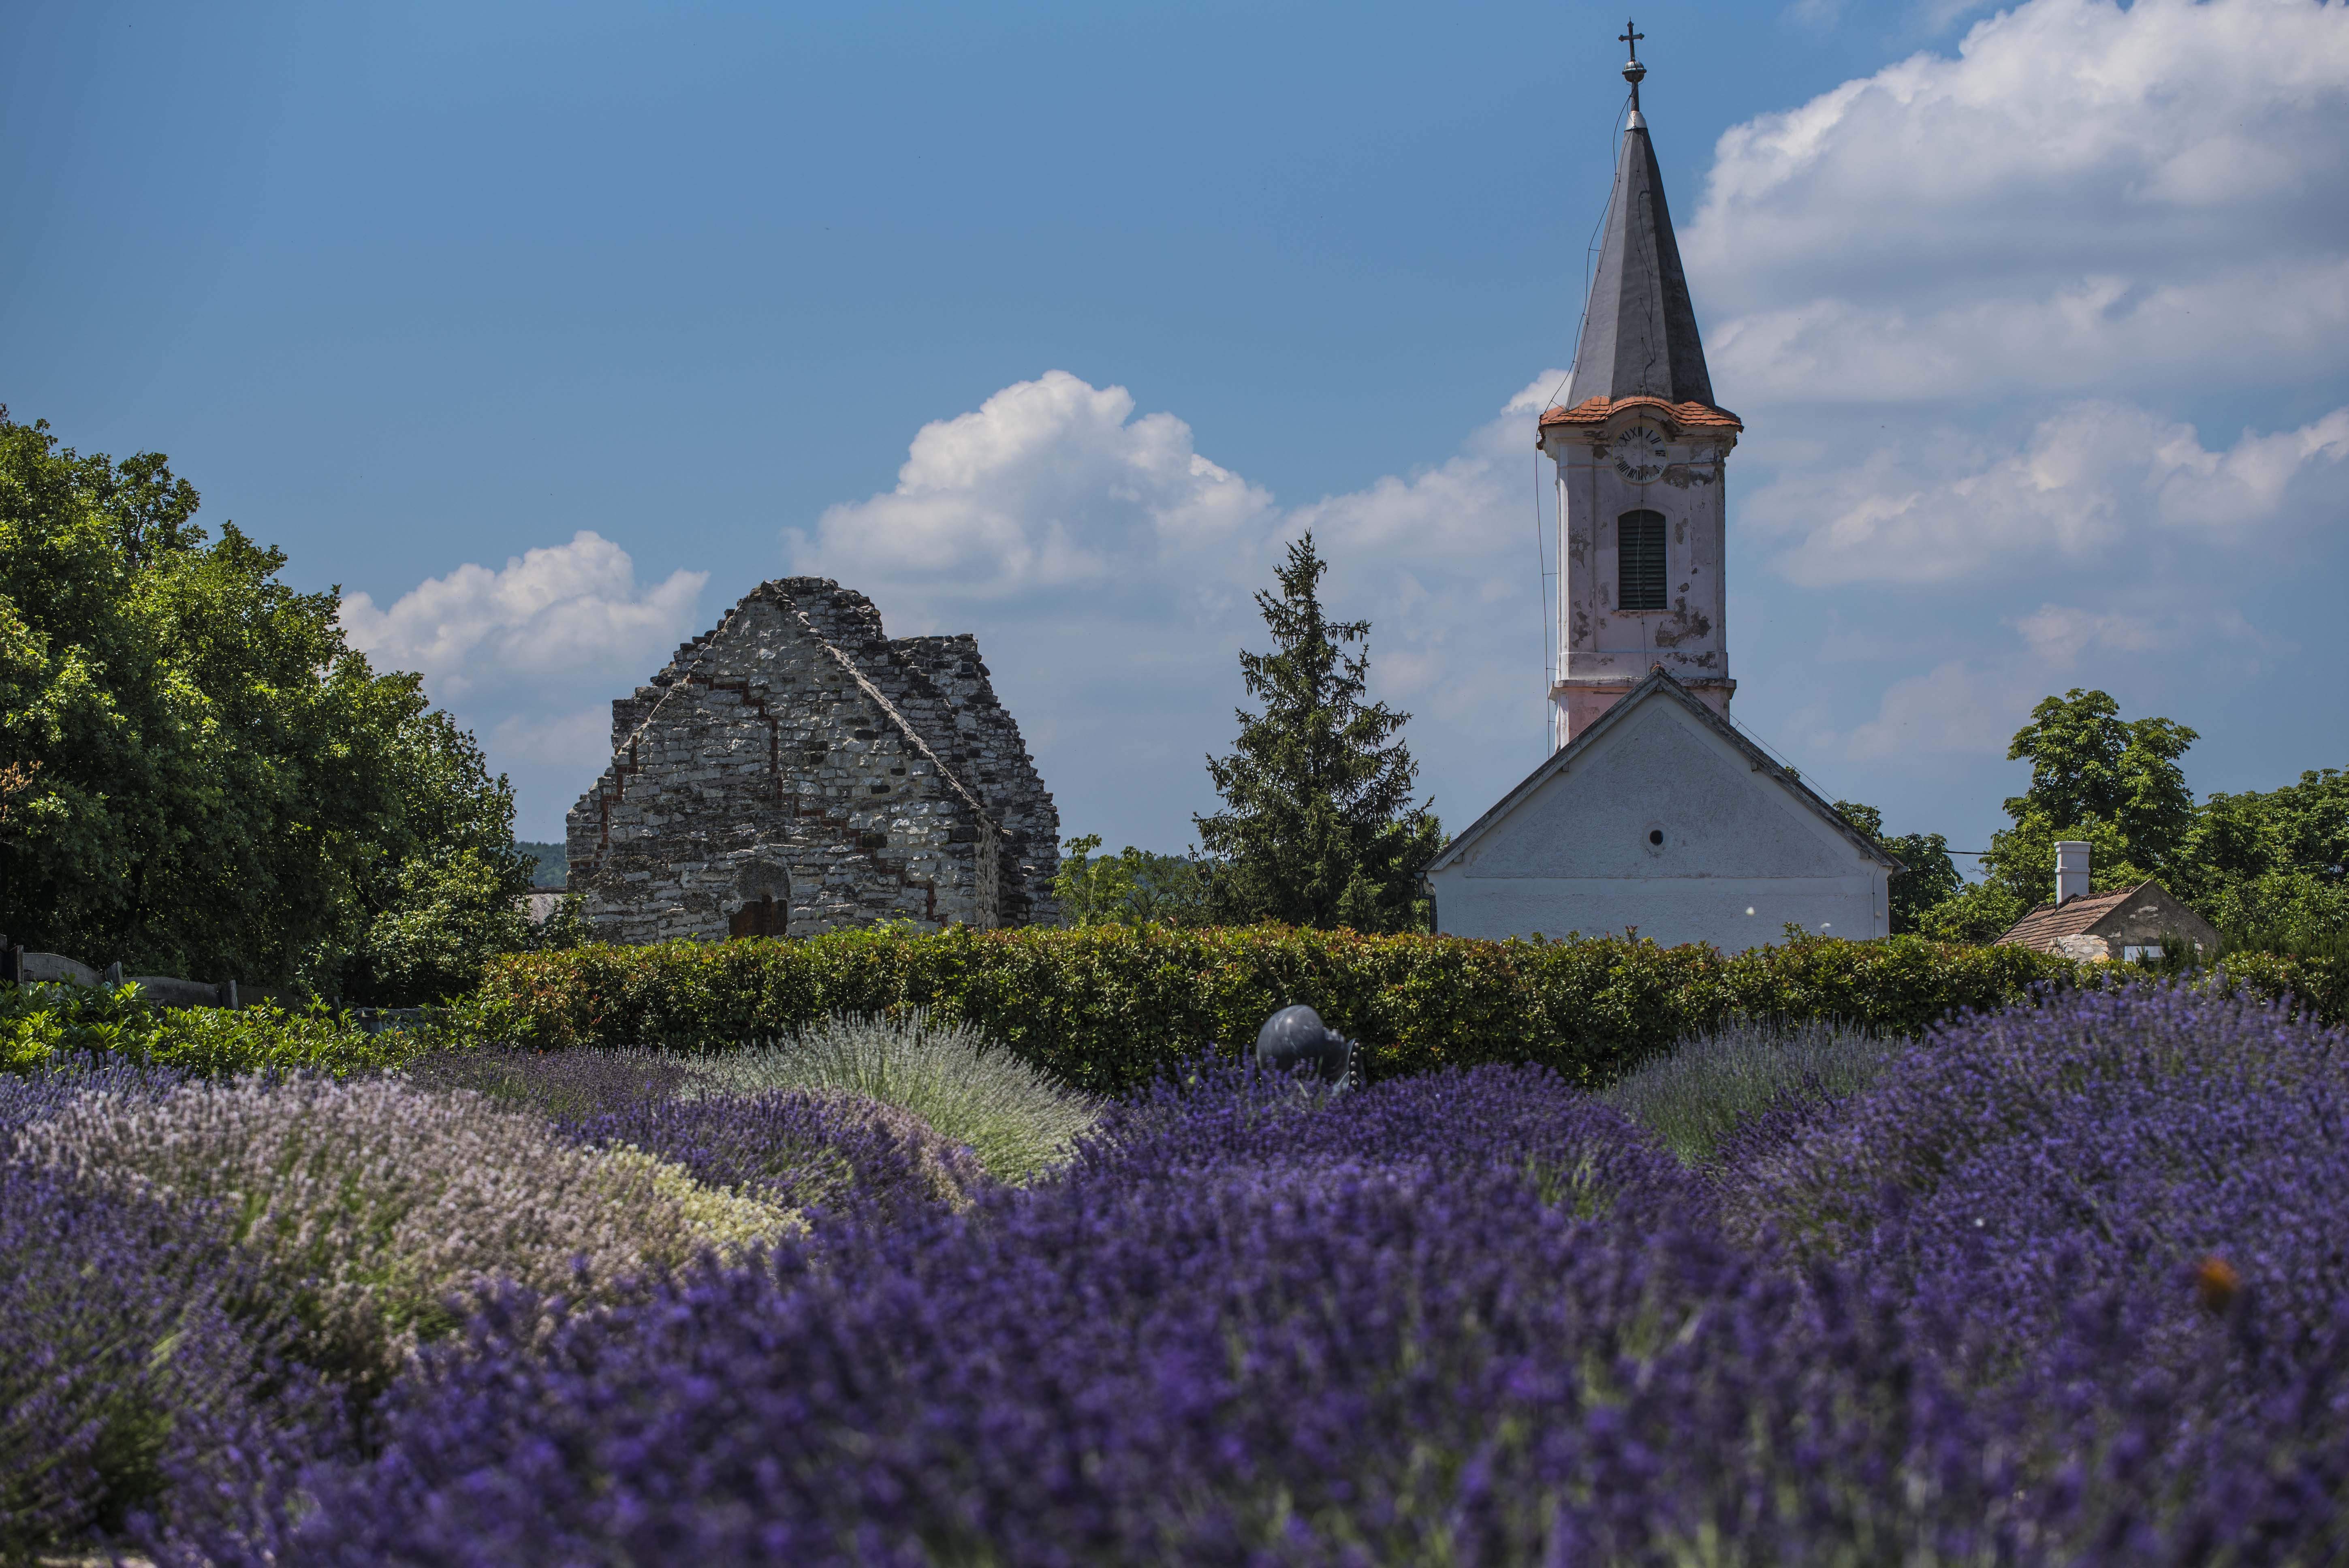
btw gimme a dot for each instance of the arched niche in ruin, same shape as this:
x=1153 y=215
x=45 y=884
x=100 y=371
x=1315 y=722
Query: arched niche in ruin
x=763 y=887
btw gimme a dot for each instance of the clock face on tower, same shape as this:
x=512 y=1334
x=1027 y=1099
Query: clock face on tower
x=1640 y=453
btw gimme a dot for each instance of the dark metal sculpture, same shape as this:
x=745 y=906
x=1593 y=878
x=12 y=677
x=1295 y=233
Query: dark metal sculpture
x=1295 y=1037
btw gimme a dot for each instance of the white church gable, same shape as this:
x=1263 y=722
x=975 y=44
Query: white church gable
x=1660 y=817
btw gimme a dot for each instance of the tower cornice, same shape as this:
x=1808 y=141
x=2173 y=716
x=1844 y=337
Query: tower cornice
x=1594 y=412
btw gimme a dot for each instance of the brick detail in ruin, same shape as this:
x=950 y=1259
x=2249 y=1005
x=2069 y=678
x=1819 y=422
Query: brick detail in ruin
x=794 y=769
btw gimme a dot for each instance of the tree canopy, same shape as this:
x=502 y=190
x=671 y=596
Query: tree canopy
x=1927 y=878
x=2259 y=861
x=1319 y=827
x=1132 y=888
x=198 y=774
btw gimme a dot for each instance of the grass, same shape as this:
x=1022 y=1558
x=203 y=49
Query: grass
x=1017 y=1121
x=1708 y=1083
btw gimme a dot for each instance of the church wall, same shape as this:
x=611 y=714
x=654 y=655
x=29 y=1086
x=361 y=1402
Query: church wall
x=1671 y=911
x=1576 y=854
x=1658 y=771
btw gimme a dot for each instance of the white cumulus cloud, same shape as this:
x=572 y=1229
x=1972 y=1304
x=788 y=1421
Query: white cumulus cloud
x=2082 y=191
x=2093 y=479
x=1109 y=569
x=570 y=611
x=1049 y=483
x=530 y=655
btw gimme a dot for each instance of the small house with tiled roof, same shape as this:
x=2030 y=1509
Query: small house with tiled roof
x=2122 y=923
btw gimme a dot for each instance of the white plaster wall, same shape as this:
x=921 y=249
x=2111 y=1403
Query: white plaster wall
x=1693 y=909
x=1575 y=853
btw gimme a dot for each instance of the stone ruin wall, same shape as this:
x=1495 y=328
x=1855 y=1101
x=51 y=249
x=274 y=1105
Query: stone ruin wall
x=789 y=755
x=941 y=686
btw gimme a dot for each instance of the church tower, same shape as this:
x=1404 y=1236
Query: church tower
x=1640 y=450
x=1652 y=811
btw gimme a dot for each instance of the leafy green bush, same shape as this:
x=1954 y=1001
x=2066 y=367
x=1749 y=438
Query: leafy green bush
x=1016 y=1120
x=1105 y=1008
x=41 y=1023
x=1133 y=885
x=227 y=1040
x=2319 y=979
x=1712 y=1082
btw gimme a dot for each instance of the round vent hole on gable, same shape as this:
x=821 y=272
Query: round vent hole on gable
x=1655 y=835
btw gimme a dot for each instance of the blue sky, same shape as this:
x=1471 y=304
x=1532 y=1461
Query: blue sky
x=547 y=332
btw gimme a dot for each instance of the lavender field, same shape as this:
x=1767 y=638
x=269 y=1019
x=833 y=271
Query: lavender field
x=2066 y=1283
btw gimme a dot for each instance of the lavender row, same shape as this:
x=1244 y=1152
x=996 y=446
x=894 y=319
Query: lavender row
x=1476 y=1317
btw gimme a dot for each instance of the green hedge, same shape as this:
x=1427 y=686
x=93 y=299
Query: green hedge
x=39 y=1022
x=2319 y=983
x=1104 y=1006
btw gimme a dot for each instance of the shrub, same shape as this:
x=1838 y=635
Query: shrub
x=562 y=1084
x=2174 y=1195
x=2316 y=980
x=134 y=1348
x=1107 y=1008
x=1709 y=1083
x=1254 y=1326
x=40 y=1022
x=2107 y=1147
x=1212 y=1116
x=793 y=1148
x=799 y=1150
x=223 y=1041
x=373 y=1203
x=1014 y=1119
x=1995 y=1085
x=55 y=1082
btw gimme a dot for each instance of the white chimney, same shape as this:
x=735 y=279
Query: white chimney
x=2071 y=870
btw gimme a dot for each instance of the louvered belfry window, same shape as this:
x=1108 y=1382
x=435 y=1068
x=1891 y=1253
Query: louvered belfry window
x=1640 y=560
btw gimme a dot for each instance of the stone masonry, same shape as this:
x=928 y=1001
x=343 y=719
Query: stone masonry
x=796 y=770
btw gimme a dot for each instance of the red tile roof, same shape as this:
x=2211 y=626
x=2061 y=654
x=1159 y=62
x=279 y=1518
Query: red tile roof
x=1597 y=410
x=2042 y=926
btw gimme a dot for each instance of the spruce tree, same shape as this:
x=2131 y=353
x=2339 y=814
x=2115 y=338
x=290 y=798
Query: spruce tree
x=1319 y=827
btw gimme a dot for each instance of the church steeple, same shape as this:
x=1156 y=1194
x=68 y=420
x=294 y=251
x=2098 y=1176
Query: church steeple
x=1639 y=333
x=1642 y=457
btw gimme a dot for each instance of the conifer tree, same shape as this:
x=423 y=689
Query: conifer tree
x=1319 y=827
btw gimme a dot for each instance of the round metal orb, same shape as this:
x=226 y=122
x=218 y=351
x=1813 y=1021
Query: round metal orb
x=1296 y=1037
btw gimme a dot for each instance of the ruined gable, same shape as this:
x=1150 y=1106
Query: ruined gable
x=794 y=771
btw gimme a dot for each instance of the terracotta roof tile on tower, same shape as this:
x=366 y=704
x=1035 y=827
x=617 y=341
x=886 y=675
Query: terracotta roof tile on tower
x=1597 y=410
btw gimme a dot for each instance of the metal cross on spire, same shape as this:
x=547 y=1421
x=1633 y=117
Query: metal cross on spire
x=1634 y=70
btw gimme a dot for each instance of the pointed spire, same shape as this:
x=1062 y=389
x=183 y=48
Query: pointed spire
x=1639 y=333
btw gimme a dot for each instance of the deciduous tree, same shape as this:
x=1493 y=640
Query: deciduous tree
x=203 y=777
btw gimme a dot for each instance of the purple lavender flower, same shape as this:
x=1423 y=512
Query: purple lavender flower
x=1475 y=1317
x=1251 y=1328
x=798 y=1149
x=139 y=1357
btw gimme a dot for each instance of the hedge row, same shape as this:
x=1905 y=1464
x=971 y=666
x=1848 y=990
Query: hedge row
x=1104 y=1007
x=41 y=1023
